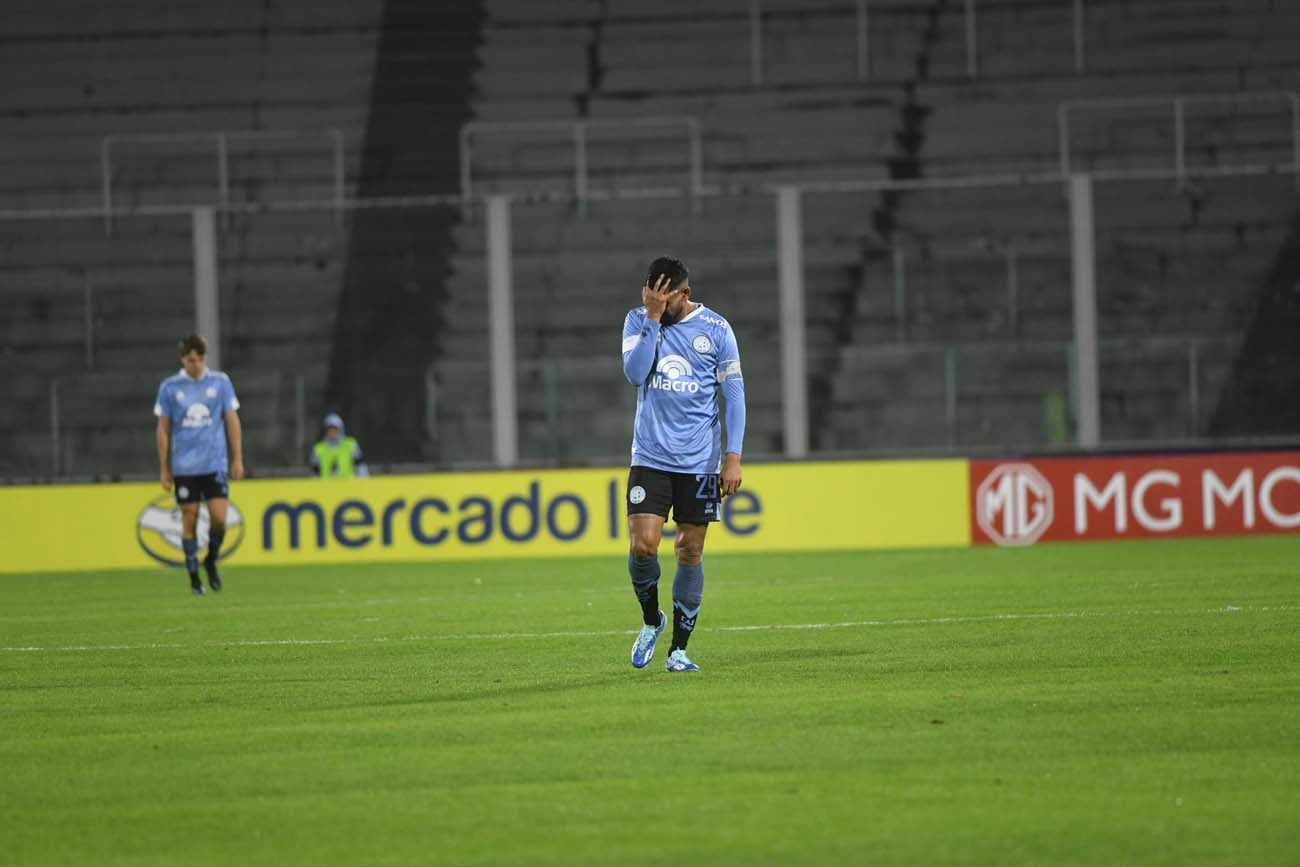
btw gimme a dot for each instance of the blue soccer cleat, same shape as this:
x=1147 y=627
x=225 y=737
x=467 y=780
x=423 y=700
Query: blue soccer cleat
x=643 y=649
x=677 y=661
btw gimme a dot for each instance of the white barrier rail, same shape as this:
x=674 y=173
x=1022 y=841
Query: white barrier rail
x=862 y=32
x=1178 y=104
x=221 y=140
x=579 y=130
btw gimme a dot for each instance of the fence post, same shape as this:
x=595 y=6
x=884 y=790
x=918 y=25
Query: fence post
x=1078 y=37
x=864 y=47
x=340 y=175
x=580 y=166
x=794 y=361
x=1194 y=386
x=88 y=317
x=697 y=166
x=1180 y=143
x=465 y=165
x=1013 y=290
x=950 y=392
x=223 y=178
x=1063 y=138
x=1084 y=283
x=972 y=41
x=1295 y=140
x=501 y=336
x=900 y=292
x=56 y=437
x=431 y=406
x=106 y=182
x=299 y=416
x=551 y=390
x=207 y=293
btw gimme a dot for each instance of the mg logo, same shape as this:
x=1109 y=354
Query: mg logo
x=1014 y=505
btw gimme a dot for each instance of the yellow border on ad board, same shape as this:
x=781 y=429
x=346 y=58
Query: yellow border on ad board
x=464 y=516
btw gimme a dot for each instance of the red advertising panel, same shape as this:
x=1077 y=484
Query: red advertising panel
x=1019 y=502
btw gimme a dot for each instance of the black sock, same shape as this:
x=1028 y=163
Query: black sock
x=645 y=583
x=191 y=549
x=683 y=626
x=215 y=537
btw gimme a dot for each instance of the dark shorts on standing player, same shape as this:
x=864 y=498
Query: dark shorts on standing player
x=692 y=497
x=195 y=489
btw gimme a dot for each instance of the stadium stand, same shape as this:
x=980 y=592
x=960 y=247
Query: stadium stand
x=142 y=69
x=978 y=336
x=986 y=270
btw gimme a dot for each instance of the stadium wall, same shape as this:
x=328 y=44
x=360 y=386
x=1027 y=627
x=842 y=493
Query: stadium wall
x=783 y=507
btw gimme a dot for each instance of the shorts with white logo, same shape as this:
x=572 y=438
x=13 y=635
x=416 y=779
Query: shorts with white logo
x=193 y=489
x=693 y=497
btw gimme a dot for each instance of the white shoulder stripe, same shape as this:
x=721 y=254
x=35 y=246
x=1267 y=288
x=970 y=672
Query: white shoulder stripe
x=629 y=343
x=729 y=370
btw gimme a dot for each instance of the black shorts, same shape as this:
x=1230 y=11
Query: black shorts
x=693 y=497
x=194 y=489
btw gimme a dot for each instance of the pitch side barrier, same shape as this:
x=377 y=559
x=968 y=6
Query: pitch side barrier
x=1016 y=503
x=851 y=505
x=465 y=516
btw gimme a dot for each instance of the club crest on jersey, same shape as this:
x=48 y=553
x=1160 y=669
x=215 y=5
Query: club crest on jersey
x=211 y=392
x=675 y=373
x=702 y=344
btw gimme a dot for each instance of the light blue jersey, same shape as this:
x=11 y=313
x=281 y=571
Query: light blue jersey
x=197 y=408
x=680 y=371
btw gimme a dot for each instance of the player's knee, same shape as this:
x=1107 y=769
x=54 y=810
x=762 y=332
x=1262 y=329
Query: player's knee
x=643 y=549
x=689 y=552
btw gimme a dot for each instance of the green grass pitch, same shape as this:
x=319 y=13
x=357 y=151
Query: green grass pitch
x=1127 y=703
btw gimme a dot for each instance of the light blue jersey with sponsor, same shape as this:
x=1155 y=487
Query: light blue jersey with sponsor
x=680 y=371
x=197 y=408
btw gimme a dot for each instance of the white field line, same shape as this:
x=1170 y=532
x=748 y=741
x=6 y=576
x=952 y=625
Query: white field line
x=608 y=633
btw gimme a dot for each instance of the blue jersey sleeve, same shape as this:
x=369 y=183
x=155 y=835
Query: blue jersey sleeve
x=228 y=400
x=733 y=391
x=640 y=336
x=160 y=402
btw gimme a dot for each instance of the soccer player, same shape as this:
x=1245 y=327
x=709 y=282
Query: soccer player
x=197 y=411
x=683 y=359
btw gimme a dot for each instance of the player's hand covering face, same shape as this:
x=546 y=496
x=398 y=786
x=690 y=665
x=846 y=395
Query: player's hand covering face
x=655 y=298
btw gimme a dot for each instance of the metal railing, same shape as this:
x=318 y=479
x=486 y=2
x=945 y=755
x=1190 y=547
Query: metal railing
x=1192 y=348
x=1178 y=104
x=221 y=140
x=862 y=31
x=904 y=250
x=579 y=129
x=287 y=394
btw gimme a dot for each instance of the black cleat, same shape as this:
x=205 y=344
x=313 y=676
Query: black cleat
x=196 y=586
x=214 y=579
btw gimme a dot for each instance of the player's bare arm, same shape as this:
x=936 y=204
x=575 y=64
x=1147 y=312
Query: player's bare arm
x=655 y=298
x=730 y=480
x=163 y=436
x=235 y=433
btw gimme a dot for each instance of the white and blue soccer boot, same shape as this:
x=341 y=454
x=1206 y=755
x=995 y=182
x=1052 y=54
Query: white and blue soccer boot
x=677 y=661
x=643 y=649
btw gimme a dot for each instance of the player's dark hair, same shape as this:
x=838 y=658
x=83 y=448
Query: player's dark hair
x=674 y=269
x=192 y=343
